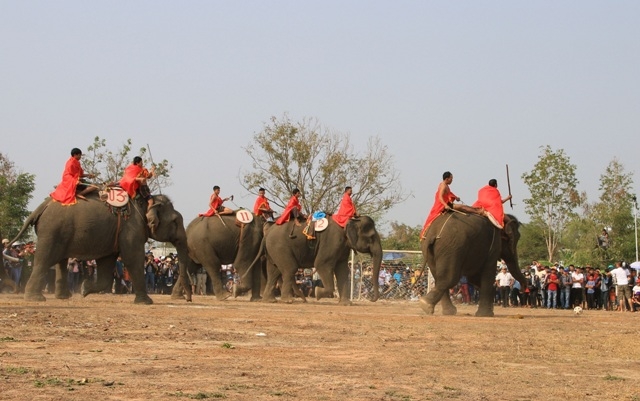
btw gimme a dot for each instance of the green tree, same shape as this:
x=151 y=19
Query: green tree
x=16 y=190
x=402 y=237
x=320 y=163
x=614 y=212
x=554 y=196
x=532 y=243
x=108 y=165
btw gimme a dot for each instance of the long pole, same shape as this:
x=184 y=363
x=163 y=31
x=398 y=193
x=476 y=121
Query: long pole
x=635 y=221
x=509 y=186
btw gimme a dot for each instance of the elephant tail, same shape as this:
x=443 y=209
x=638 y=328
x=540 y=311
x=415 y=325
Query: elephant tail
x=32 y=220
x=259 y=256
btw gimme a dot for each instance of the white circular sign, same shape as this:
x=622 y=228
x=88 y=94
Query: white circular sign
x=117 y=197
x=244 y=216
x=322 y=224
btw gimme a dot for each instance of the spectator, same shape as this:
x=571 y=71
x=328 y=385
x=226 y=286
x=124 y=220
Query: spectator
x=464 y=289
x=118 y=275
x=515 y=293
x=623 y=292
x=591 y=291
x=565 y=289
x=576 y=288
x=504 y=281
x=150 y=269
x=552 y=288
x=201 y=281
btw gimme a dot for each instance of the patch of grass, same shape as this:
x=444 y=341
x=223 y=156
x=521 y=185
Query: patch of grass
x=613 y=378
x=7 y=339
x=199 y=395
x=227 y=345
x=19 y=370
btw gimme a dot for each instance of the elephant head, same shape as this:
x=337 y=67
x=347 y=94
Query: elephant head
x=363 y=237
x=249 y=246
x=509 y=253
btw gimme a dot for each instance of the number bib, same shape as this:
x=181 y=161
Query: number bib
x=321 y=224
x=244 y=216
x=116 y=197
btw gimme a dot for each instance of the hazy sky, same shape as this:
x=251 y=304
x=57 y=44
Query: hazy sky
x=460 y=86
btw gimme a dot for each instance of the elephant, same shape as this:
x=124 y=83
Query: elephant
x=92 y=229
x=288 y=249
x=221 y=240
x=459 y=244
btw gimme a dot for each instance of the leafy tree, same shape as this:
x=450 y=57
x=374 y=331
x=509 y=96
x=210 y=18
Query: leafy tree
x=16 y=190
x=320 y=163
x=109 y=165
x=532 y=243
x=554 y=195
x=614 y=212
x=402 y=237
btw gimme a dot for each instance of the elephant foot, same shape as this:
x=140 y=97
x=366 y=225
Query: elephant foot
x=345 y=302
x=449 y=311
x=255 y=299
x=426 y=307
x=84 y=289
x=143 y=299
x=64 y=295
x=271 y=300
x=484 y=313
x=175 y=295
x=35 y=297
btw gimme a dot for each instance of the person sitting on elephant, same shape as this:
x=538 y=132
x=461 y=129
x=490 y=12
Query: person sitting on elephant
x=293 y=209
x=444 y=199
x=65 y=192
x=215 y=204
x=491 y=201
x=135 y=178
x=346 y=210
x=261 y=206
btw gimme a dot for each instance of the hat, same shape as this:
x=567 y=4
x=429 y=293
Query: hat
x=610 y=267
x=5 y=241
x=553 y=268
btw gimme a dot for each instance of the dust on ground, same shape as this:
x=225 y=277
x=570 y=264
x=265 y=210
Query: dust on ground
x=104 y=347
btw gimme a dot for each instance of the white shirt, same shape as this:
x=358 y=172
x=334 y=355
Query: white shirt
x=620 y=276
x=577 y=280
x=504 y=279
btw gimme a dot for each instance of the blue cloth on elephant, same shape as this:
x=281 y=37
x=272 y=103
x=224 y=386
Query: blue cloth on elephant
x=318 y=215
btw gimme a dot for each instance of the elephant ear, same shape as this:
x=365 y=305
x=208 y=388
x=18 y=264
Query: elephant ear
x=152 y=217
x=352 y=231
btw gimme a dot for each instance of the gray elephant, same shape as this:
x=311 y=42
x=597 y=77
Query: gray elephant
x=288 y=249
x=458 y=244
x=91 y=229
x=221 y=240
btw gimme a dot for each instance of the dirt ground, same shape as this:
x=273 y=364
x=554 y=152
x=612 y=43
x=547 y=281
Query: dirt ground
x=106 y=348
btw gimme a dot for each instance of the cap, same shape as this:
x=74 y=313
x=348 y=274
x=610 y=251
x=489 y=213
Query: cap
x=5 y=241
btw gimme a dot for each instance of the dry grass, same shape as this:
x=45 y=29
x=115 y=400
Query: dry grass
x=104 y=347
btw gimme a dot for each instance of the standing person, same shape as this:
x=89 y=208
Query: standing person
x=292 y=210
x=12 y=261
x=576 y=288
x=605 y=285
x=565 y=292
x=150 y=269
x=591 y=291
x=135 y=178
x=504 y=281
x=65 y=192
x=215 y=204
x=621 y=277
x=346 y=210
x=444 y=199
x=552 y=288
x=201 y=281
x=118 y=275
x=261 y=207
x=490 y=200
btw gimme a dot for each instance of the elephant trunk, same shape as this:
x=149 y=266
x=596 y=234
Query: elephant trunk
x=376 y=257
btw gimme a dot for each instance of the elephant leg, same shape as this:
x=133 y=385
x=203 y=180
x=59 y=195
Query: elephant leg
x=342 y=278
x=447 y=306
x=256 y=282
x=288 y=287
x=62 y=280
x=326 y=275
x=38 y=279
x=273 y=274
x=134 y=262
x=178 y=290
x=428 y=302
x=213 y=268
x=104 y=277
x=485 y=303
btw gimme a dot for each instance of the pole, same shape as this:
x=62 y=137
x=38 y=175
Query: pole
x=352 y=270
x=635 y=221
x=153 y=164
x=509 y=186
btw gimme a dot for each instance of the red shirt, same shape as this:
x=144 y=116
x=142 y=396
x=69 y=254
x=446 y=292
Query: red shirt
x=261 y=202
x=346 y=211
x=437 y=208
x=489 y=198
x=129 y=182
x=214 y=204
x=65 y=192
x=552 y=286
x=286 y=214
